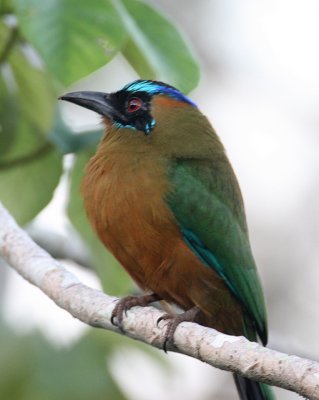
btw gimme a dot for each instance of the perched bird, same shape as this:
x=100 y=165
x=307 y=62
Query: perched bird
x=163 y=198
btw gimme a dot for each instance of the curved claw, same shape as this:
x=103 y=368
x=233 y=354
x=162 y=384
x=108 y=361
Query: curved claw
x=117 y=318
x=112 y=319
x=123 y=305
x=160 y=319
x=174 y=320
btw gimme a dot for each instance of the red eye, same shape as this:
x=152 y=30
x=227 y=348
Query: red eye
x=134 y=104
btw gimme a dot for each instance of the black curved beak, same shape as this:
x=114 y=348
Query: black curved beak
x=96 y=101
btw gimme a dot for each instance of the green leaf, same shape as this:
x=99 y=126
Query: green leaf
x=8 y=106
x=74 y=37
x=39 y=371
x=156 y=49
x=35 y=93
x=4 y=36
x=112 y=275
x=29 y=167
x=79 y=372
x=8 y=125
x=6 y=7
x=67 y=141
x=26 y=105
x=27 y=187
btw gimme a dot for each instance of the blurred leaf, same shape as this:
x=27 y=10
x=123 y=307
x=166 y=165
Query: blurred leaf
x=8 y=125
x=17 y=354
x=68 y=141
x=112 y=275
x=26 y=104
x=40 y=372
x=83 y=365
x=29 y=167
x=33 y=89
x=4 y=35
x=28 y=187
x=5 y=6
x=156 y=49
x=8 y=105
x=74 y=37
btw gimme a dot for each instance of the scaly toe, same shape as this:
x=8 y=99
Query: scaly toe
x=117 y=314
x=123 y=305
x=164 y=318
x=174 y=320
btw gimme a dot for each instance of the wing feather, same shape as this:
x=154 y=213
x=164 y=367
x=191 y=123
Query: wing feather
x=206 y=201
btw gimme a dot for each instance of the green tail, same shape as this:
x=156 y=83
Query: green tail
x=251 y=390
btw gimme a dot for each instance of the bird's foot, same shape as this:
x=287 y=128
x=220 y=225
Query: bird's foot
x=125 y=303
x=173 y=321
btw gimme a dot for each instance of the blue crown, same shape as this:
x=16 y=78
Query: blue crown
x=155 y=87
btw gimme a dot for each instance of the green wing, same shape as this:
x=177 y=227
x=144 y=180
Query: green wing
x=206 y=201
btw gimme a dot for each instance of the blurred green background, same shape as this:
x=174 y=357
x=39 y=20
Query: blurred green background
x=259 y=86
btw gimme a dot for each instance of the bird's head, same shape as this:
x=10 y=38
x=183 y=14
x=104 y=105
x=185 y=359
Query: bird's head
x=149 y=108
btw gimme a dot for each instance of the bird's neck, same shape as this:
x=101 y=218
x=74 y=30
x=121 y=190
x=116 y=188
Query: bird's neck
x=124 y=174
x=129 y=155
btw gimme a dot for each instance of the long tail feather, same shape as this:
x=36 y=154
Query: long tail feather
x=251 y=390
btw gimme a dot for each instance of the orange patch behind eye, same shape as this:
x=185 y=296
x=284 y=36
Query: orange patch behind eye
x=168 y=101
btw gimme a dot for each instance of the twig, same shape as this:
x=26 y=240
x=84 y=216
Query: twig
x=93 y=307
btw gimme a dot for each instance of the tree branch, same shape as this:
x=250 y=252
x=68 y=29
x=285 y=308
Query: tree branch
x=93 y=307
